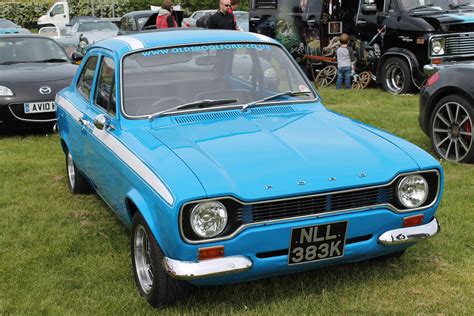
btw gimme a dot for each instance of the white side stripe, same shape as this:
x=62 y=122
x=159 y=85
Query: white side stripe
x=132 y=42
x=125 y=154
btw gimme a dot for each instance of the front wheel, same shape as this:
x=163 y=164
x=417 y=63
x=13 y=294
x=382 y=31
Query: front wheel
x=153 y=282
x=451 y=129
x=396 y=76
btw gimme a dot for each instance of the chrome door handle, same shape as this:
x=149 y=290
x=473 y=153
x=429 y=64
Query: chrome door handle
x=361 y=22
x=257 y=18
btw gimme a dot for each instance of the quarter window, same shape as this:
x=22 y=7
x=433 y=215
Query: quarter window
x=105 y=96
x=84 y=84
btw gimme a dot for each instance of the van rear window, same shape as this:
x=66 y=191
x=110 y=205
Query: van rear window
x=265 y=4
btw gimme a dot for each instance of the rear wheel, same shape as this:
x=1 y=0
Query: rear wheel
x=451 y=129
x=76 y=182
x=152 y=280
x=396 y=76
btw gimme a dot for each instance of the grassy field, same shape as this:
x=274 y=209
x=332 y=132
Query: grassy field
x=62 y=254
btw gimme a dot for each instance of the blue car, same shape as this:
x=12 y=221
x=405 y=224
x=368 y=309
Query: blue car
x=216 y=151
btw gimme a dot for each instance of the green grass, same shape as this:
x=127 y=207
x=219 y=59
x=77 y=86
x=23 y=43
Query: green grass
x=62 y=254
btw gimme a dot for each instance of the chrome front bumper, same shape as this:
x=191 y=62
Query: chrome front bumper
x=410 y=234
x=186 y=270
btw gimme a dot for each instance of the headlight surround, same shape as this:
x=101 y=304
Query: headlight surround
x=208 y=219
x=5 y=92
x=437 y=46
x=412 y=191
x=83 y=44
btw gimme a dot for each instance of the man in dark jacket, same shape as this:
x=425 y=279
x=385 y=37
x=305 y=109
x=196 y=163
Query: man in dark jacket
x=222 y=19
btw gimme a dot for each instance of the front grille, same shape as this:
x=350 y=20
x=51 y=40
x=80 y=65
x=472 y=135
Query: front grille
x=242 y=215
x=315 y=205
x=461 y=44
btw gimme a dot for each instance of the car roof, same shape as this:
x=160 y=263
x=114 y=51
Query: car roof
x=139 y=13
x=175 y=37
x=16 y=35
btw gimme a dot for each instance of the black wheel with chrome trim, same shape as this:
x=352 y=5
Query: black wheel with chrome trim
x=152 y=281
x=396 y=76
x=76 y=182
x=451 y=129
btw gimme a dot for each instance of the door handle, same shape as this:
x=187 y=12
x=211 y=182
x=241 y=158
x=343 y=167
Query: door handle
x=256 y=18
x=361 y=22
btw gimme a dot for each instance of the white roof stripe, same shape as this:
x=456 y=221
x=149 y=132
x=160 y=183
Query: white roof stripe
x=132 y=42
x=125 y=154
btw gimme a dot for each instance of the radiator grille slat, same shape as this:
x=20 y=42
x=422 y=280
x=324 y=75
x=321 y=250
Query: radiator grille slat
x=459 y=45
x=320 y=204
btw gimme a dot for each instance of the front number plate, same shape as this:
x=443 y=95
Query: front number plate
x=39 y=107
x=317 y=243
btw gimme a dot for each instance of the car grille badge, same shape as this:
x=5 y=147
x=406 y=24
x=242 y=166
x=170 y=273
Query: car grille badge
x=45 y=90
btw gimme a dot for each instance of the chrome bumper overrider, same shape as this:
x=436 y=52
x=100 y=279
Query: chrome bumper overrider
x=410 y=234
x=187 y=270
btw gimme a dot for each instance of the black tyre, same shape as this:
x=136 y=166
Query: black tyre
x=76 y=182
x=151 y=279
x=451 y=129
x=396 y=76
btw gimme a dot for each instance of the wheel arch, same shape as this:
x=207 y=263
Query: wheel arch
x=417 y=77
x=135 y=202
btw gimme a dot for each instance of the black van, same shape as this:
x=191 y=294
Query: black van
x=415 y=32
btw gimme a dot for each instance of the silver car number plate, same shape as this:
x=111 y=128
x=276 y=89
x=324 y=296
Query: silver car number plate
x=39 y=107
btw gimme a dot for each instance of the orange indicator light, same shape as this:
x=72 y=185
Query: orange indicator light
x=413 y=220
x=211 y=252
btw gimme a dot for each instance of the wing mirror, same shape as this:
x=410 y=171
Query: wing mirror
x=77 y=58
x=102 y=122
x=369 y=7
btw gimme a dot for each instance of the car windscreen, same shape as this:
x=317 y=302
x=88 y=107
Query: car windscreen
x=160 y=79
x=4 y=24
x=96 y=26
x=29 y=49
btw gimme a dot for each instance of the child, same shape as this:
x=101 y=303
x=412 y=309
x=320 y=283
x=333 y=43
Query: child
x=345 y=58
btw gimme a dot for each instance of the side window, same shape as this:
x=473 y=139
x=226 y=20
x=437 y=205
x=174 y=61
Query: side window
x=58 y=9
x=105 y=96
x=123 y=24
x=84 y=84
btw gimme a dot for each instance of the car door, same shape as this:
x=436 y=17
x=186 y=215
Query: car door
x=103 y=166
x=77 y=128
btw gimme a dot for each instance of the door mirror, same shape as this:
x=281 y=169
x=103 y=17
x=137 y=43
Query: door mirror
x=51 y=14
x=369 y=7
x=76 y=58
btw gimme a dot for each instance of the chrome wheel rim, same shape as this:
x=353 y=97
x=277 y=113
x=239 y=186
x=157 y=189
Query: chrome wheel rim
x=143 y=260
x=395 y=78
x=71 y=172
x=452 y=131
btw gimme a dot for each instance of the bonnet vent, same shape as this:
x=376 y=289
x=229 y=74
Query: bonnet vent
x=184 y=119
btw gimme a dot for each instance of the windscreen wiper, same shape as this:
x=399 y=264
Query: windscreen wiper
x=459 y=5
x=52 y=60
x=425 y=6
x=195 y=104
x=275 y=96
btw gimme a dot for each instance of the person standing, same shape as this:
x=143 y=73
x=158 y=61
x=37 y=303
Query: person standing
x=165 y=18
x=345 y=58
x=223 y=19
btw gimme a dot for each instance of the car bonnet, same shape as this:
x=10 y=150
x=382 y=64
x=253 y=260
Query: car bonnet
x=279 y=151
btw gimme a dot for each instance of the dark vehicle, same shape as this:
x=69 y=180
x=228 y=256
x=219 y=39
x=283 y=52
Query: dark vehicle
x=446 y=111
x=416 y=32
x=32 y=70
x=139 y=21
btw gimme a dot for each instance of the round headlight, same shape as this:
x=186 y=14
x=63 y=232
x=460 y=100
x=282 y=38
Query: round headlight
x=208 y=219
x=82 y=44
x=412 y=191
x=437 y=47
